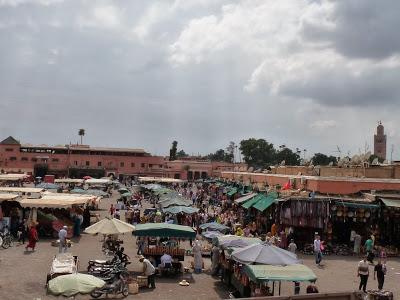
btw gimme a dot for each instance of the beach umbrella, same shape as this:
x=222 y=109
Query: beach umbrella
x=110 y=226
x=214 y=226
x=265 y=254
x=72 y=284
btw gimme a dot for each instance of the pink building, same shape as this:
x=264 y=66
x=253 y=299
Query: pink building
x=80 y=160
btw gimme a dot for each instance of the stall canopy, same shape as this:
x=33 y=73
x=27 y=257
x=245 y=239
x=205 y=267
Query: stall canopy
x=53 y=200
x=264 y=202
x=160 y=179
x=297 y=272
x=234 y=241
x=99 y=181
x=164 y=230
x=180 y=209
x=20 y=190
x=215 y=226
x=245 y=198
x=252 y=201
x=266 y=254
x=211 y=234
x=68 y=180
x=232 y=191
x=94 y=192
x=391 y=202
x=48 y=186
x=13 y=177
x=8 y=197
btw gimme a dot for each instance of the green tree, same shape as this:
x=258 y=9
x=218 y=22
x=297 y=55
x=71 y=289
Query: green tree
x=81 y=133
x=230 y=152
x=257 y=153
x=291 y=158
x=173 y=150
x=373 y=156
x=323 y=159
x=181 y=154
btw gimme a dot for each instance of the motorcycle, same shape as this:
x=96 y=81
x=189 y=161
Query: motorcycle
x=117 y=286
x=6 y=240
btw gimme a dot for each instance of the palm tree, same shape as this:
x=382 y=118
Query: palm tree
x=81 y=134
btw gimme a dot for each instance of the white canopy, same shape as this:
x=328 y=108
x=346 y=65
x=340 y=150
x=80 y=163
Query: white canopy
x=110 y=226
x=160 y=179
x=98 y=181
x=8 y=197
x=54 y=200
x=12 y=177
x=20 y=190
x=68 y=180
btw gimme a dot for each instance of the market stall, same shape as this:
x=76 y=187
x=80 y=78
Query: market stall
x=261 y=275
x=52 y=211
x=169 y=234
x=10 y=214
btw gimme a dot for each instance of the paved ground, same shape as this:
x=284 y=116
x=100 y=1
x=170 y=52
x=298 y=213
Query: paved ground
x=23 y=275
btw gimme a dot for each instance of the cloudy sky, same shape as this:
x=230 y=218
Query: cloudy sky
x=309 y=74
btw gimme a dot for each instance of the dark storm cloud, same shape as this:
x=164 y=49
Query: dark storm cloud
x=362 y=28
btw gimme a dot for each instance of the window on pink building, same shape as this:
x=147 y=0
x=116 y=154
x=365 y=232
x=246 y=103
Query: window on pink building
x=132 y=165
x=99 y=163
x=121 y=164
x=87 y=163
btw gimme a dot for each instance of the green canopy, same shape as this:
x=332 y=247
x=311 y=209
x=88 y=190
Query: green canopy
x=259 y=273
x=232 y=191
x=180 y=209
x=162 y=191
x=126 y=194
x=164 y=230
x=391 y=202
x=252 y=201
x=265 y=202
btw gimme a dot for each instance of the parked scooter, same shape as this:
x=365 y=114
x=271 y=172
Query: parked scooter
x=118 y=286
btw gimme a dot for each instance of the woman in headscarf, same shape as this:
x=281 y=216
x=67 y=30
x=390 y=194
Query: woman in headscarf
x=33 y=237
x=198 y=259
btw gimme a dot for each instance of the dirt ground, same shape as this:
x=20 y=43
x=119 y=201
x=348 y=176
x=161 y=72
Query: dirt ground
x=23 y=275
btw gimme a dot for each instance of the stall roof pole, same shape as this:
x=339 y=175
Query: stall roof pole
x=280 y=287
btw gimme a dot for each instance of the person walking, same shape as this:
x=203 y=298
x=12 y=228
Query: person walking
x=363 y=273
x=33 y=237
x=357 y=244
x=149 y=271
x=112 y=210
x=22 y=230
x=380 y=272
x=62 y=236
x=369 y=245
x=317 y=250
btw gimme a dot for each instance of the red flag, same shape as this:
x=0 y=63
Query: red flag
x=287 y=186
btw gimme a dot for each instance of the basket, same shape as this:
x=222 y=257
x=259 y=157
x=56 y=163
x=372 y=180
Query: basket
x=133 y=288
x=142 y=281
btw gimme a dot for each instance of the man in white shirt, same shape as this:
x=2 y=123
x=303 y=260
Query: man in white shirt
x=166 y=261
x=149 y=271
x=317 y=249
x=363 y=273
x=62 y=235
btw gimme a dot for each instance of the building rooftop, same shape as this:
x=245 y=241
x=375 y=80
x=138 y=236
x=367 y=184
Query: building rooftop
x=9 y=141
x=83 y=148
